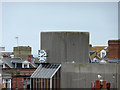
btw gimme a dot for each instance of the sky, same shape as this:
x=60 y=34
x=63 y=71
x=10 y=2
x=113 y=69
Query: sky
x=27 y=19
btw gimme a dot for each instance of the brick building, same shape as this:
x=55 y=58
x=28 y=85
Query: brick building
x=20 y=77
x=22 y=52
x=114 y=49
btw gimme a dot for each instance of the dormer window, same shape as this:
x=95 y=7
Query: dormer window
x=25 y=64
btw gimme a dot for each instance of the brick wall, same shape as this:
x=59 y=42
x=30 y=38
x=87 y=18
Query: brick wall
x=17 y=82
x=27 y=71
x=20 y=77
x=16 y=71
x=20 y=82
x=114 y=49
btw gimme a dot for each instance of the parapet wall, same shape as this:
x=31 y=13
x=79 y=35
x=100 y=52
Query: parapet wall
x=81 y=75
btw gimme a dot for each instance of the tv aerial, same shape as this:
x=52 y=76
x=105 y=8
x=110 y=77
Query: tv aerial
x=17 y=39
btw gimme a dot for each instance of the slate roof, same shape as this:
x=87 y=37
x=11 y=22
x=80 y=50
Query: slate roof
x=46 y=70
x=8 y=61
x=19 y=61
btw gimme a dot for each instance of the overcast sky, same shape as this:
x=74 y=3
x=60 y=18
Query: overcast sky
x=26 y=20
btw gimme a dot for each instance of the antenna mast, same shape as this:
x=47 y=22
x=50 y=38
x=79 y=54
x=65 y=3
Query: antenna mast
x=17 y=40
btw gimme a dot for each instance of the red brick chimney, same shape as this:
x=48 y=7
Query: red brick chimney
x=114 y=49
x=30 y=58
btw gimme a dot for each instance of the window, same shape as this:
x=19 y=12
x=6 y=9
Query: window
x=25 y=65
x=7 y=83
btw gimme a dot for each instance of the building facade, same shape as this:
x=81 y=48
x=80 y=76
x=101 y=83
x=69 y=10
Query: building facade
x=17 y=79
